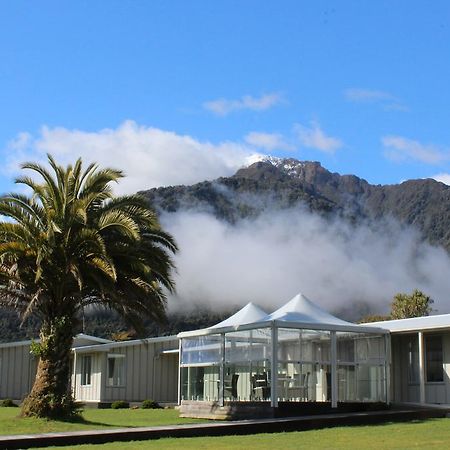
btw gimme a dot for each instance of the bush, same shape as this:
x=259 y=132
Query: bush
x=120 y=404
x=150 y=404
x=7 y=403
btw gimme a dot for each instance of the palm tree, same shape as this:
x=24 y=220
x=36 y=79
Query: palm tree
x=72 y=244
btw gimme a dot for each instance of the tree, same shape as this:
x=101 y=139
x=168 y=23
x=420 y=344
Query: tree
x=415 y=305
x=374 y=318
x=72 y=244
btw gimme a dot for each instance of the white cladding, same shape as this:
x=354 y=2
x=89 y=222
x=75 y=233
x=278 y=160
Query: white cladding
x=414 y=324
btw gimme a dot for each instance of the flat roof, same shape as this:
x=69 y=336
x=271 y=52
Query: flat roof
x=427 y=323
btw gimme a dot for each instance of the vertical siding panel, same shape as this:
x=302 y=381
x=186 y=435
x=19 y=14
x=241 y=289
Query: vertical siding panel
x=136 y=367
x=2 y=377
x=11 y=363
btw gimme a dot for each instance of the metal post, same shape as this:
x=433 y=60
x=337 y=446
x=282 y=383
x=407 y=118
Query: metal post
x=274 y=368
x=74 y=380
x=180 y=380
x=421 y=367
x=334 y=384
x=222 y=369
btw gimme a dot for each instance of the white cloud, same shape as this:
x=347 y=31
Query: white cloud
x=269 y=259
x=388 y=101
x=223 y=107
x=399 y=149
x=442 y=177
x=366 y=95
x=268 y=141
x=150 y=157
x=314 y=137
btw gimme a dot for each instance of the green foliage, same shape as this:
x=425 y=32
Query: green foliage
x=416 y=304
x=7 y=403
x=120 y=404
x=374 y=318
x=69 y=245
x=150 y=404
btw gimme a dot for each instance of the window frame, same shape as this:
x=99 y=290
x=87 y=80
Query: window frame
x=109 y=378
x=434 y=361
x=86 y=376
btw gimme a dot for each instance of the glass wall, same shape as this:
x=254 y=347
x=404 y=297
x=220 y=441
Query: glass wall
x=247 y=368
x=237 y=366
x=361 y=368
x=304 y=365
x=200 y=361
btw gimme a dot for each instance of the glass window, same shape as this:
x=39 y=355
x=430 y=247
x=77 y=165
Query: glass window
x=116 y=370
x=201 y=349
x=413 y=360
x=86 y=370
x=434 y=360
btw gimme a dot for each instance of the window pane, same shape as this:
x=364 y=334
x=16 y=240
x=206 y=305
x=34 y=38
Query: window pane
x=201 y=349
x=116 y=370
x=200 y=383
x=413 y=360
x=433 y=349
x=86 y=364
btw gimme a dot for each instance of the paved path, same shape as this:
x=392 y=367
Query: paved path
x=216 y=428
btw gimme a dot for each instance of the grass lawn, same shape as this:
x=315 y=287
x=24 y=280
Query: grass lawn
x=430 y=434
x=92 y=419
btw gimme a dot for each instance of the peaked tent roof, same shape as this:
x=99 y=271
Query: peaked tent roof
x=248 y=314
x=302 y=310
x=299 y=312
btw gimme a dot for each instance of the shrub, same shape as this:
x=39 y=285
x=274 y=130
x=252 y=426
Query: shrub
x=150 y=404
x=7 y=403
x=120 y=404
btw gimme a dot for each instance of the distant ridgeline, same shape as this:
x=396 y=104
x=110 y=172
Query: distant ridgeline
x=278 y=184
x=286 y=183
x=107 y=324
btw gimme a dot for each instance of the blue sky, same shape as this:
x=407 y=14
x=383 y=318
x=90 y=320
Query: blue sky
x=178 y=91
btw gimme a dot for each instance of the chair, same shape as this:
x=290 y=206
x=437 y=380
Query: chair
x=230 y=386
x=260 y=388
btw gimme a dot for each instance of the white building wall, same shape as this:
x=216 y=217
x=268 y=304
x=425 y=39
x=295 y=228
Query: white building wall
x=17 y=370
x=405 y=391
x=91 y=392
x=149 y=373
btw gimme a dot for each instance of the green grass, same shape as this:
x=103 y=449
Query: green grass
x=92 y=419
x=430 y=434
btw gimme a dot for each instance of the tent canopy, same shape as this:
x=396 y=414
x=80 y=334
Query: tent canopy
x=302 y=310
x=248 y=314
x=299 y=312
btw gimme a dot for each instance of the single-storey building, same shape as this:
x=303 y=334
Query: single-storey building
x=102 y=370
x=298 y=359
x=420 y=349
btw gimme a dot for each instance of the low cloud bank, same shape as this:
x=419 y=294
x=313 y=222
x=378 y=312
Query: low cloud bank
x=269 y=259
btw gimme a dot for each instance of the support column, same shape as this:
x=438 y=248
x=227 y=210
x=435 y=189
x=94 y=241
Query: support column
x=421 y=367
x=74 y=375
x=222 y=369
x=334 y=384
x=387 y=366
x=179 y=372
x=274 y=368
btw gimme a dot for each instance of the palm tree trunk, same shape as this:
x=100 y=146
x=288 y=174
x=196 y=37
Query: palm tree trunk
x=51 y=396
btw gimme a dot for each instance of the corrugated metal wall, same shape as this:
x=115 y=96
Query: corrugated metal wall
x=149 y=374
x=17 y=371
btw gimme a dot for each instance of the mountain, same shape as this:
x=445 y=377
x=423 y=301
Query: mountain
x=279 y=184
x=286 y=183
